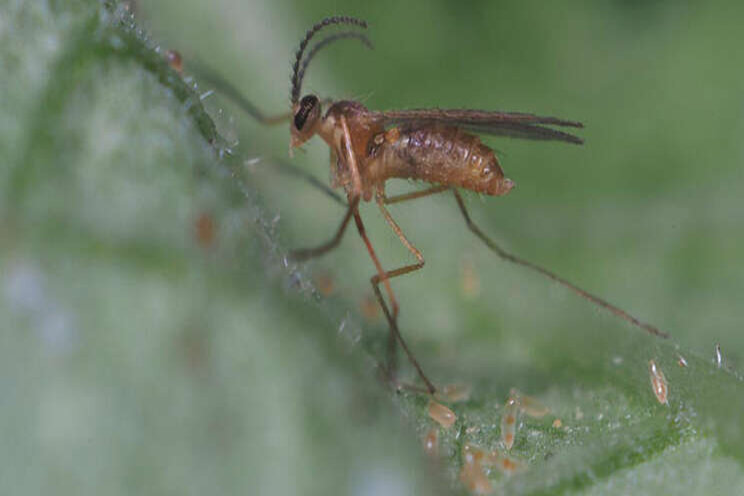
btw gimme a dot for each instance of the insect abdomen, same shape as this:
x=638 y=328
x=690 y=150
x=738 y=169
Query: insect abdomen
x=444 y=155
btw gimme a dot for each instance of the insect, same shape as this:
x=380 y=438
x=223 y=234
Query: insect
x=516 y=404
x=441 y=414
x=474 y=459
x=471 y=474
x=431 y=442
x=658 y=382
x=437 y=146
x=509 y=421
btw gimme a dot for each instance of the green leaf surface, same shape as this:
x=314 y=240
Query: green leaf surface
x=156 y=340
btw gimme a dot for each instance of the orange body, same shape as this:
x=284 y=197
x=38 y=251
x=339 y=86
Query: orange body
x=441 y=414
x=438 y=154
x=433 y=153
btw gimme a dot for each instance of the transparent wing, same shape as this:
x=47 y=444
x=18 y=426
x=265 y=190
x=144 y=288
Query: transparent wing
x=511 y=124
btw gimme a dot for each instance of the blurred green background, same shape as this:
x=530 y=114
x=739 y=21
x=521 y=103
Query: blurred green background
x=138 y=357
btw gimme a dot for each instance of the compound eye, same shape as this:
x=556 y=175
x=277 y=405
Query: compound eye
x=307 y=104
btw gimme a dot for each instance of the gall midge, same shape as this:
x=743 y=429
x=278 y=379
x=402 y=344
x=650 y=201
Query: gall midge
x=658 y=382
x=437 y=146
x=441 y=414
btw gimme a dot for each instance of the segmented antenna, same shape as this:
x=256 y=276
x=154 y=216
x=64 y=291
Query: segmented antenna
x=324 y=43
x=328 y=21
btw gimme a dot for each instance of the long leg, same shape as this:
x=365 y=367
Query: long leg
x=406 y=269
x=356 y=178
x=292 y=169
x=227 y=89
x=381 y=276
x=524 y=263
x=356 y=181
x=391 y=320
x=353 y=203
x=415 y=194
x=381 y=201
x=307 y=253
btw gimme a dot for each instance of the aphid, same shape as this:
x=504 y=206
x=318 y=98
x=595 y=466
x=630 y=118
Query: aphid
x=474 y=479
x=174 y=60
x=431 y=443
x=436 y=146
x=718 y=356
x=509 y=421
x=474 y=459
x=472 y=454
x=471 y=474
x=441 y=414
x=506 y=464
x=658 y=382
